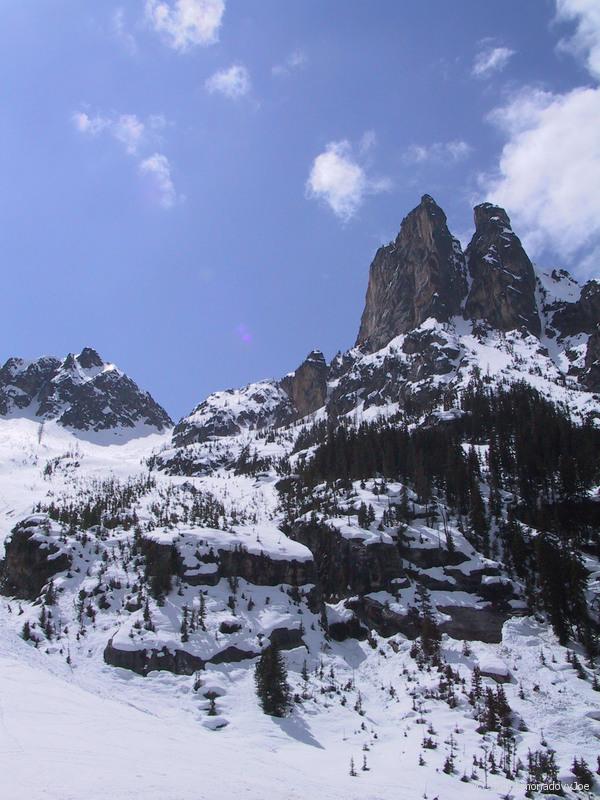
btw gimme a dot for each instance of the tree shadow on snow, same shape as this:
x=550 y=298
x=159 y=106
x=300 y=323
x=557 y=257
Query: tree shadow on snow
x=296 y=728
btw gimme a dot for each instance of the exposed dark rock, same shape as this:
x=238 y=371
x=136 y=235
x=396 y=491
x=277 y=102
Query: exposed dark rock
x=380 y=617
x=307 y=386
x=261 y=570
x=229 y=627
x=22 y=382
x=592 y=362
x=348 y=566
x=143 y=661
x=349 y=629
x=481 y=624
x=419 y=275
x=428 y=557
x=583 y=316
x=31 y=558
x=503 y=280
x=287 y=638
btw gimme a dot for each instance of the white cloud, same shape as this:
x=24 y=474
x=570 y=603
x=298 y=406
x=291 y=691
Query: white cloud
x=186 y=23
x=232 y=82
x=549 y=169
x=585 y=42
x=127 y=129
x=295 y=61
x=439 y=152
x=338 y=179
x=490 y=60
x=158 y=170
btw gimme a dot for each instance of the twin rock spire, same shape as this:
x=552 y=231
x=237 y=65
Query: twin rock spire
x=424 y=273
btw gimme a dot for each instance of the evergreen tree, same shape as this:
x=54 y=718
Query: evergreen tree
x=271 y=682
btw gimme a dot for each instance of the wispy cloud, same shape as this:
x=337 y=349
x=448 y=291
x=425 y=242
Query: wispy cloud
x=122 y=33
x=134 y=136
x=337 y=178
x=490 y=60
x=233 y=82
x=295 y=61
x=186 y=23
x=127 y=129
x=438 y=152
x=157 y=169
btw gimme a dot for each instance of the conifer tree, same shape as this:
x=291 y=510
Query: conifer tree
x=271 y=682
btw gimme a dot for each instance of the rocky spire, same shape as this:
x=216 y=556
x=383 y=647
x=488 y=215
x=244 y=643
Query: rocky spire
x=307 y=386
x=419 y=275
x=502 y=277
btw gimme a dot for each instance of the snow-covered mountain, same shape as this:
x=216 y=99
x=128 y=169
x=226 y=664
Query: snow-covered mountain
x=432 y=315
x=81 y=392
x=414 y=527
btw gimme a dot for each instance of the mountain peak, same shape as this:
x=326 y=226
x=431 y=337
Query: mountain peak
x=489 y=213
x=89 y=358
x=82 y=392
x=419 y=275
x=502 y=276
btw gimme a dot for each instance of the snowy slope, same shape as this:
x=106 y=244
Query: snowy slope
x=92 y=730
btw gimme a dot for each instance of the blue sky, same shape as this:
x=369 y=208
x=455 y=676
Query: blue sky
x=197 y=187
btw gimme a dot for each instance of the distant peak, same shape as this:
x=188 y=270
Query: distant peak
x=316 y=355
x=488 y=213
x=89 y=358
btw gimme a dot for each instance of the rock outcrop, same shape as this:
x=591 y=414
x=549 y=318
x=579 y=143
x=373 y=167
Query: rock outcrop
x=346 y=566
x=419 y=275
x=33 y=556
x=307 y=386
x=591 y=376
x=581 y=316
x=502 y=277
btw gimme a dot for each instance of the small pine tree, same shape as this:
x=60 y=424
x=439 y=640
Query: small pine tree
x=304 y=672
x=582 y=771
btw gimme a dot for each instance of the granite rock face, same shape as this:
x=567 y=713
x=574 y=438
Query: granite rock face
x=502 y=277
x=307 y=386
x=419 y=275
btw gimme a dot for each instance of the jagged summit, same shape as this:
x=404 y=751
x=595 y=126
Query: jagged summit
x=424 y=273
x=503 y=280
x=416 y=345
x=82 y=391
x=419 y=275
